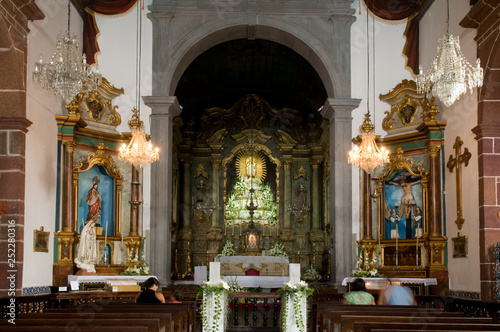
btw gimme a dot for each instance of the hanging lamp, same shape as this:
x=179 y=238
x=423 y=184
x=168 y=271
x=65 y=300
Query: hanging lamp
x=67 y=72
x=450 y=74
x=367 y=154
x=138 y=152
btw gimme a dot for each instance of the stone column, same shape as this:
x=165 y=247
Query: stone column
x=164 y=109
x=434 y=218
x=488 y=138
x=338 y=112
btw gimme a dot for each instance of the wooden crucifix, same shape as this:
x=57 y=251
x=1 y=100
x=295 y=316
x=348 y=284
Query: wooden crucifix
x=455 y=162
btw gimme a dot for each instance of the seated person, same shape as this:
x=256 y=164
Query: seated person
x=358 y=294
x=396 y=295
x=150 y=295
x=175 y=298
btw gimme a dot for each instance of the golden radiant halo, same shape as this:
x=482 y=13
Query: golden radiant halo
x=243 y=168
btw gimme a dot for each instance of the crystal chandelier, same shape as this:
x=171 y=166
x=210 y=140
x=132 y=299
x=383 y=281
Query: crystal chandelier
x=68 y=71
x=367 y=155
x=450 y=74
x=138 y=152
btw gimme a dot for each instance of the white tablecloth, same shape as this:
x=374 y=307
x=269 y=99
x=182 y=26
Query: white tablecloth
x=383 y=281
x=257 y=281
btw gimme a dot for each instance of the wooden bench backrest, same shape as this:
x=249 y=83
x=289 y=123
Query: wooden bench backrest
x=72 y=324
x=369 y=326
x=165 y=319
x=348 y=321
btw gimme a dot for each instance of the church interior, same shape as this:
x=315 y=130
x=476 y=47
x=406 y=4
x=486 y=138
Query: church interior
x=259 y=111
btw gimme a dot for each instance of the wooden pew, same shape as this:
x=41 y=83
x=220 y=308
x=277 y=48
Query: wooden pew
x=348 y=321
x=165 y=320
x=395 y=326
x=329 y=315
x=52 y=328
x=74 y=324
x=180 y=312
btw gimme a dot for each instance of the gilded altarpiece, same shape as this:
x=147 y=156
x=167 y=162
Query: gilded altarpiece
x=405 y=196
x=248 y=179
x=89 y=144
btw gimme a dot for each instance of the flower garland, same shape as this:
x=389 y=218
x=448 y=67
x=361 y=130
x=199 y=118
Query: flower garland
x=366 y=266
x=295 y=294
x=227 y=250
x=211 y=314
x=278 y=249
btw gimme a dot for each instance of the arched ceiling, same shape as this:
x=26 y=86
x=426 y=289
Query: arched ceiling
x=229 y=71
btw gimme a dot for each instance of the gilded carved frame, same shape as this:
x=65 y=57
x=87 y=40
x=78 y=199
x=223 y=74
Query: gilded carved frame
x=406 y=164
x=99 y=158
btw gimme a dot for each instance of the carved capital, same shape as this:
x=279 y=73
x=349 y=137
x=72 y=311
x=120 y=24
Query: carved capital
x=434 y=150
x=69 y=146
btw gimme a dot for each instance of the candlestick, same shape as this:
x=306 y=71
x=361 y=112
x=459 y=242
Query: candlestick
x=397 y=253
x=416 y=253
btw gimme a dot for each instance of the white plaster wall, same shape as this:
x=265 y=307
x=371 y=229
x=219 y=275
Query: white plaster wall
x=389 y=64
x=41 y=142
x=117 y=62
x=461 y=117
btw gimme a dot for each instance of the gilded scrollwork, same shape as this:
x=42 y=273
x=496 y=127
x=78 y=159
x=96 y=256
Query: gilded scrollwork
x=301 y=172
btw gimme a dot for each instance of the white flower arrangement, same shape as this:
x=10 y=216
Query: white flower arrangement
x=312 y=274
x=136 y=267
x=227 y=250
x=366 y=267
x=278 y=249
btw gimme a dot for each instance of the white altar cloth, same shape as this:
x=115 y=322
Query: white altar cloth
x=379 y=283
x=266 y=265
x=77 y=280
x=258 y=281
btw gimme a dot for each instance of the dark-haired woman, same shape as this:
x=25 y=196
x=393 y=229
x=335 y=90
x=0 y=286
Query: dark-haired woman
x=150 y=295
x=358 y=294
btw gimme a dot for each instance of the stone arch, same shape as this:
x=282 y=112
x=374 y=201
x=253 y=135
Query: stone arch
x=302 y=42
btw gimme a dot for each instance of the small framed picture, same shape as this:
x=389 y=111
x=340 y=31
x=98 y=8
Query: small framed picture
x=40 y=240
x=460 y=247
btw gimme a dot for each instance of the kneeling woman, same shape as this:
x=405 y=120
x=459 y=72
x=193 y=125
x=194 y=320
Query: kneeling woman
x=150 y=295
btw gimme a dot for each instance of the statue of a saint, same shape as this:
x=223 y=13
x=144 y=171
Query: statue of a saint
x=86 y=256
x=94 y=201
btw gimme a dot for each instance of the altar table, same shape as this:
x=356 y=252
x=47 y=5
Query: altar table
x=257 y=281
x=266 y=265
x=76 y=280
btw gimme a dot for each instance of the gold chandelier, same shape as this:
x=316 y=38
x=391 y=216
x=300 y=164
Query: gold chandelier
x=138 y=152
x=450 y=74
x=367 y=155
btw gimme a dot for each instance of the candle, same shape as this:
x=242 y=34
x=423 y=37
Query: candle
x=233 y=229
x=106 y=234
x=416 y=249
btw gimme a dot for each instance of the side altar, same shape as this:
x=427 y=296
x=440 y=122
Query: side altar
x=261 y=265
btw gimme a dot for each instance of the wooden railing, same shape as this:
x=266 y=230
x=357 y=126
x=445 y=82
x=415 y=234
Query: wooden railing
x=263 y=308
